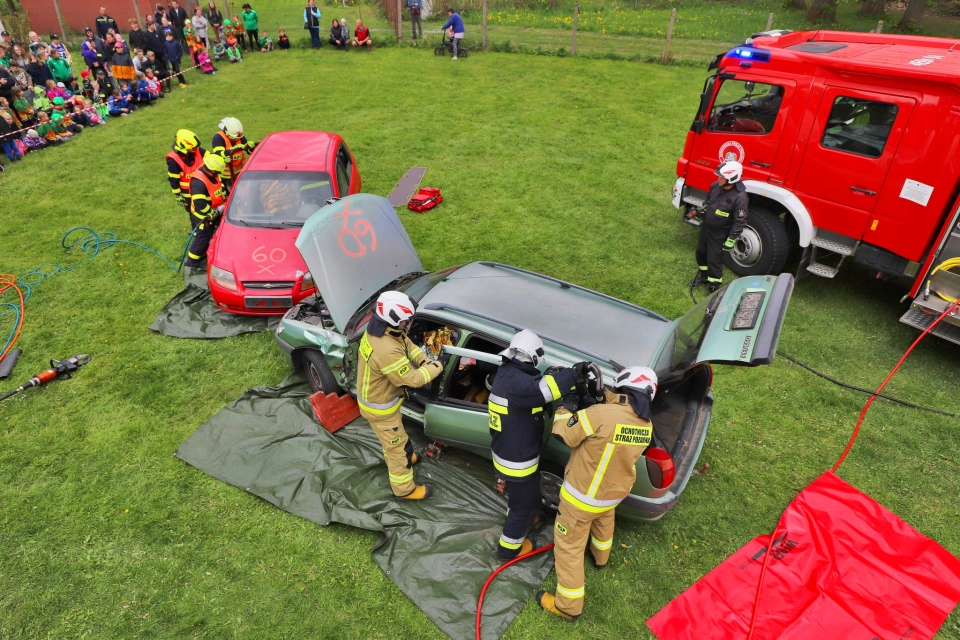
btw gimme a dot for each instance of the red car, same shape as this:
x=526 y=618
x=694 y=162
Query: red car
x=254 y=265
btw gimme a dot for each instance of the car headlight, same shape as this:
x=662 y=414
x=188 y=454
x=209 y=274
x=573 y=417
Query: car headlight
x=223 y=278
x=307 y=282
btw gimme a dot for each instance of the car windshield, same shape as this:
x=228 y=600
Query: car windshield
x=415 y=285
x=278 y=198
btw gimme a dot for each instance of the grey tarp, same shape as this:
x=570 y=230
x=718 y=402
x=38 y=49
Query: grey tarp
x=439 y=552
x=193 y=314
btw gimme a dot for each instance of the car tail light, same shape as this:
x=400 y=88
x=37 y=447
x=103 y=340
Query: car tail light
x=223 y=278
x=659 y=467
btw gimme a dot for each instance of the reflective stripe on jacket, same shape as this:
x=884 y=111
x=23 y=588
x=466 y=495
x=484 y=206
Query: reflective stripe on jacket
x=518 y=397
x=234 y=153
x=180 y=171
x=606 y=442
x=206 y=194
x=385 y=365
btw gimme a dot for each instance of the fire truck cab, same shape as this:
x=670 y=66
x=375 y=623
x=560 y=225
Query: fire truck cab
x=850 y=144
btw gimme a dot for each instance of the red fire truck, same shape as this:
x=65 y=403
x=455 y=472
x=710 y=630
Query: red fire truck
x=850 y=144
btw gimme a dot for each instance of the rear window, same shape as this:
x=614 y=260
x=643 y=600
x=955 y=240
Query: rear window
x=278 y=198
x=747 y=107
x=859 y=126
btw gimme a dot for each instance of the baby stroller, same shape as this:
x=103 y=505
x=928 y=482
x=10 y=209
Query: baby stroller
x=446 y=46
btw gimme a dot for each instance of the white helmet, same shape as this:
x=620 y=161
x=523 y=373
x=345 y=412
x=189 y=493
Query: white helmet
x=232 y=127
x=731 y=170
x=394 y=307
x=640 y=378
x=526 y=346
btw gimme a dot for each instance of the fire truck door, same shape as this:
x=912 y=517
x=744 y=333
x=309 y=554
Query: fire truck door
x=745 y=123
x=849 y=151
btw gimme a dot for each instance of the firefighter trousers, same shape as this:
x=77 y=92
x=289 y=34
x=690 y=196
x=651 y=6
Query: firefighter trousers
x=573 y=529
x=523 y=505
x=397 y=451
x=710 y=252
x=203 y=234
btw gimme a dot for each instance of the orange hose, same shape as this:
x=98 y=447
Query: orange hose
x=7 y=281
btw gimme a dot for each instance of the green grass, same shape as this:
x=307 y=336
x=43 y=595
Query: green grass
x=559 y=165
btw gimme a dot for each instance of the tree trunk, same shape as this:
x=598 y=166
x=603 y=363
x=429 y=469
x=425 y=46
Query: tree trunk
x=13 y=7
x=911 y=17
x=822 y=11
x=795 y=4
x=871 y=8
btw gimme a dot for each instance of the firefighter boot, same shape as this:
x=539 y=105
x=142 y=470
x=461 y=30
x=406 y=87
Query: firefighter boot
x=422 y=492
x=414 y=458
x=548 y=602
x=700 y=278
x=713 y=287
x=525 y=547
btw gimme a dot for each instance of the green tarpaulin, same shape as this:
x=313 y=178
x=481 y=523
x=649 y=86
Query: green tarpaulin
x=439 y=552
x=193 y=314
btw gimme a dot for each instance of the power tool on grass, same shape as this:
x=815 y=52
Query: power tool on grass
x=59 y=370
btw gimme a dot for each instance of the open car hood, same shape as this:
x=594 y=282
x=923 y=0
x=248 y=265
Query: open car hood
x=353 y=248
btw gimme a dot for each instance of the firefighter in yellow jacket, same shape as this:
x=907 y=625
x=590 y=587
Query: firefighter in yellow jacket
x=606 y=441
x=387 y=362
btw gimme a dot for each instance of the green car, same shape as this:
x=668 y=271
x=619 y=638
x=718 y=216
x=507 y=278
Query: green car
x=357 y=248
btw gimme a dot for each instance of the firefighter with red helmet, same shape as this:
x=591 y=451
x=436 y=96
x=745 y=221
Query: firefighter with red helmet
x=232 y=146
x=725 y=214
x=182 y=161
x=206 y=204
x=606 y=440
x=519 y=398
x=388 y=361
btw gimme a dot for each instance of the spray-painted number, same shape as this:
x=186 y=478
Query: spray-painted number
x=259 y=255
x=355 y=247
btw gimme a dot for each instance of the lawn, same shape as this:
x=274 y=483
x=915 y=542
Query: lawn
x=557 y=165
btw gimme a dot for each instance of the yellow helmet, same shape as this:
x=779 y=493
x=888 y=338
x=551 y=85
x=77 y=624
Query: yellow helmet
x=214 y=162
x=232 y=127
x=186 y=141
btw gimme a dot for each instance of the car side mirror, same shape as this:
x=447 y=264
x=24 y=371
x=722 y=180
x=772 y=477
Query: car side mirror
x=697 y=126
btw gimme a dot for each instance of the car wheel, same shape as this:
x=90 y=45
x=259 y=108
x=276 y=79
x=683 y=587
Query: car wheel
x=318 y=372
x=762 y=247
x=551 y=478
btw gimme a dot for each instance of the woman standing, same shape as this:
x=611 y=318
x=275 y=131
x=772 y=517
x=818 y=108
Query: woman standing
x=200 y=24
x=215 y=18
x=252 y=22
x=311 y=20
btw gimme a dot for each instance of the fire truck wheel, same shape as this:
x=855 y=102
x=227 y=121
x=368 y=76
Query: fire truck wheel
x=318 y=372
x=762 y=247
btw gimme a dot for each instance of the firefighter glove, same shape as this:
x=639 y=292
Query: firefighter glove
x=729 y=244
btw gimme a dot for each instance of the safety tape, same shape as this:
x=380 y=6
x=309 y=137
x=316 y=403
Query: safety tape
x=172 y=75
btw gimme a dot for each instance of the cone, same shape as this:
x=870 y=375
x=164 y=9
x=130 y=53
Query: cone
x=334 y=412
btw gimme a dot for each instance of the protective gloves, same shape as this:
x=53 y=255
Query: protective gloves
x=729 y=244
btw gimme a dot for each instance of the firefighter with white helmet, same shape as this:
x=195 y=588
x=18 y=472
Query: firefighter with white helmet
x=230 y=143
x=606 y=440
x=725 y=214
x=206 y=204
x=387 y=362
x=520 y=397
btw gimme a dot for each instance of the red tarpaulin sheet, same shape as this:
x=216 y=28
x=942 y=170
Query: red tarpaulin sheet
x=841 y=566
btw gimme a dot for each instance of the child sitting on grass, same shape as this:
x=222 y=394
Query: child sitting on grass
x=142 y=92
x=8 y=140
x=117 y=105
x=83 y=118
x=103 y=112
x=153 y=84
x=63 y=134
x=26 y=114
x=219 y=50
x=282 y=40
x=204 y=61
x=5 y=108
x=63 y=117
x=233 y=49
x=266 y=42
x=33 y=142
x=127 y=95
x=46 y=130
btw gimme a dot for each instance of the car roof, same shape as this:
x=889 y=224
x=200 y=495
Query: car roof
x=593 y=322
x=294 y=151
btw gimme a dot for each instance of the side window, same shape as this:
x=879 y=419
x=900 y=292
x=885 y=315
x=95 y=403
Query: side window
x=343 y=176
x=347 y=160
x=859 y=126
x=745 y=107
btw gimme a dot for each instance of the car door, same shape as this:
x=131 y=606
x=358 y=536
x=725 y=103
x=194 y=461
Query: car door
x=849 y=151
x=745 y=123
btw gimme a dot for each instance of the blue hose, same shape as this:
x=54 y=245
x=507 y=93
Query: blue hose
x=91 y=244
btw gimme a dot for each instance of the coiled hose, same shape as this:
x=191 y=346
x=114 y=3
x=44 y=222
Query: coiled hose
x=946 y=265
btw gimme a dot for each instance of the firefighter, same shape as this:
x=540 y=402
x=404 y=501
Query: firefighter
x=519 y=396
x=606 y=441
x=182 y=161
x=233 y=147
x=206 y=204
x=725 y=213
x=387 y=362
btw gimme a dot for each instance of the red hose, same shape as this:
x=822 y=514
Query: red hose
x=846 y=450
x=497 y=572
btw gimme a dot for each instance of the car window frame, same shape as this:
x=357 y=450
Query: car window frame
x=466 y=333
x=343 y=181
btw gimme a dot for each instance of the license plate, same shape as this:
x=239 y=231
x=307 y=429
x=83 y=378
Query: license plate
x=268 y=302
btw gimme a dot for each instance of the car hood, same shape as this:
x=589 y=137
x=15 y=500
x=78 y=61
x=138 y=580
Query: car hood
x=354 y=247
x=258 y=254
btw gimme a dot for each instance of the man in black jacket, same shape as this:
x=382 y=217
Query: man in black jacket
x=519 y=398
x=136 y=39
x=725 y=214
x=178 y=18
x=156 y=43
x=105 y=23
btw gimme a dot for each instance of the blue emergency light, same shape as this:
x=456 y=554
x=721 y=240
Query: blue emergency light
x=750 y=53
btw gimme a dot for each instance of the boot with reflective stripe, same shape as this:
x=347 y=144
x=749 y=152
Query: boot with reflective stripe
x=548 y=602
x=525 y=547
x=422 y=492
